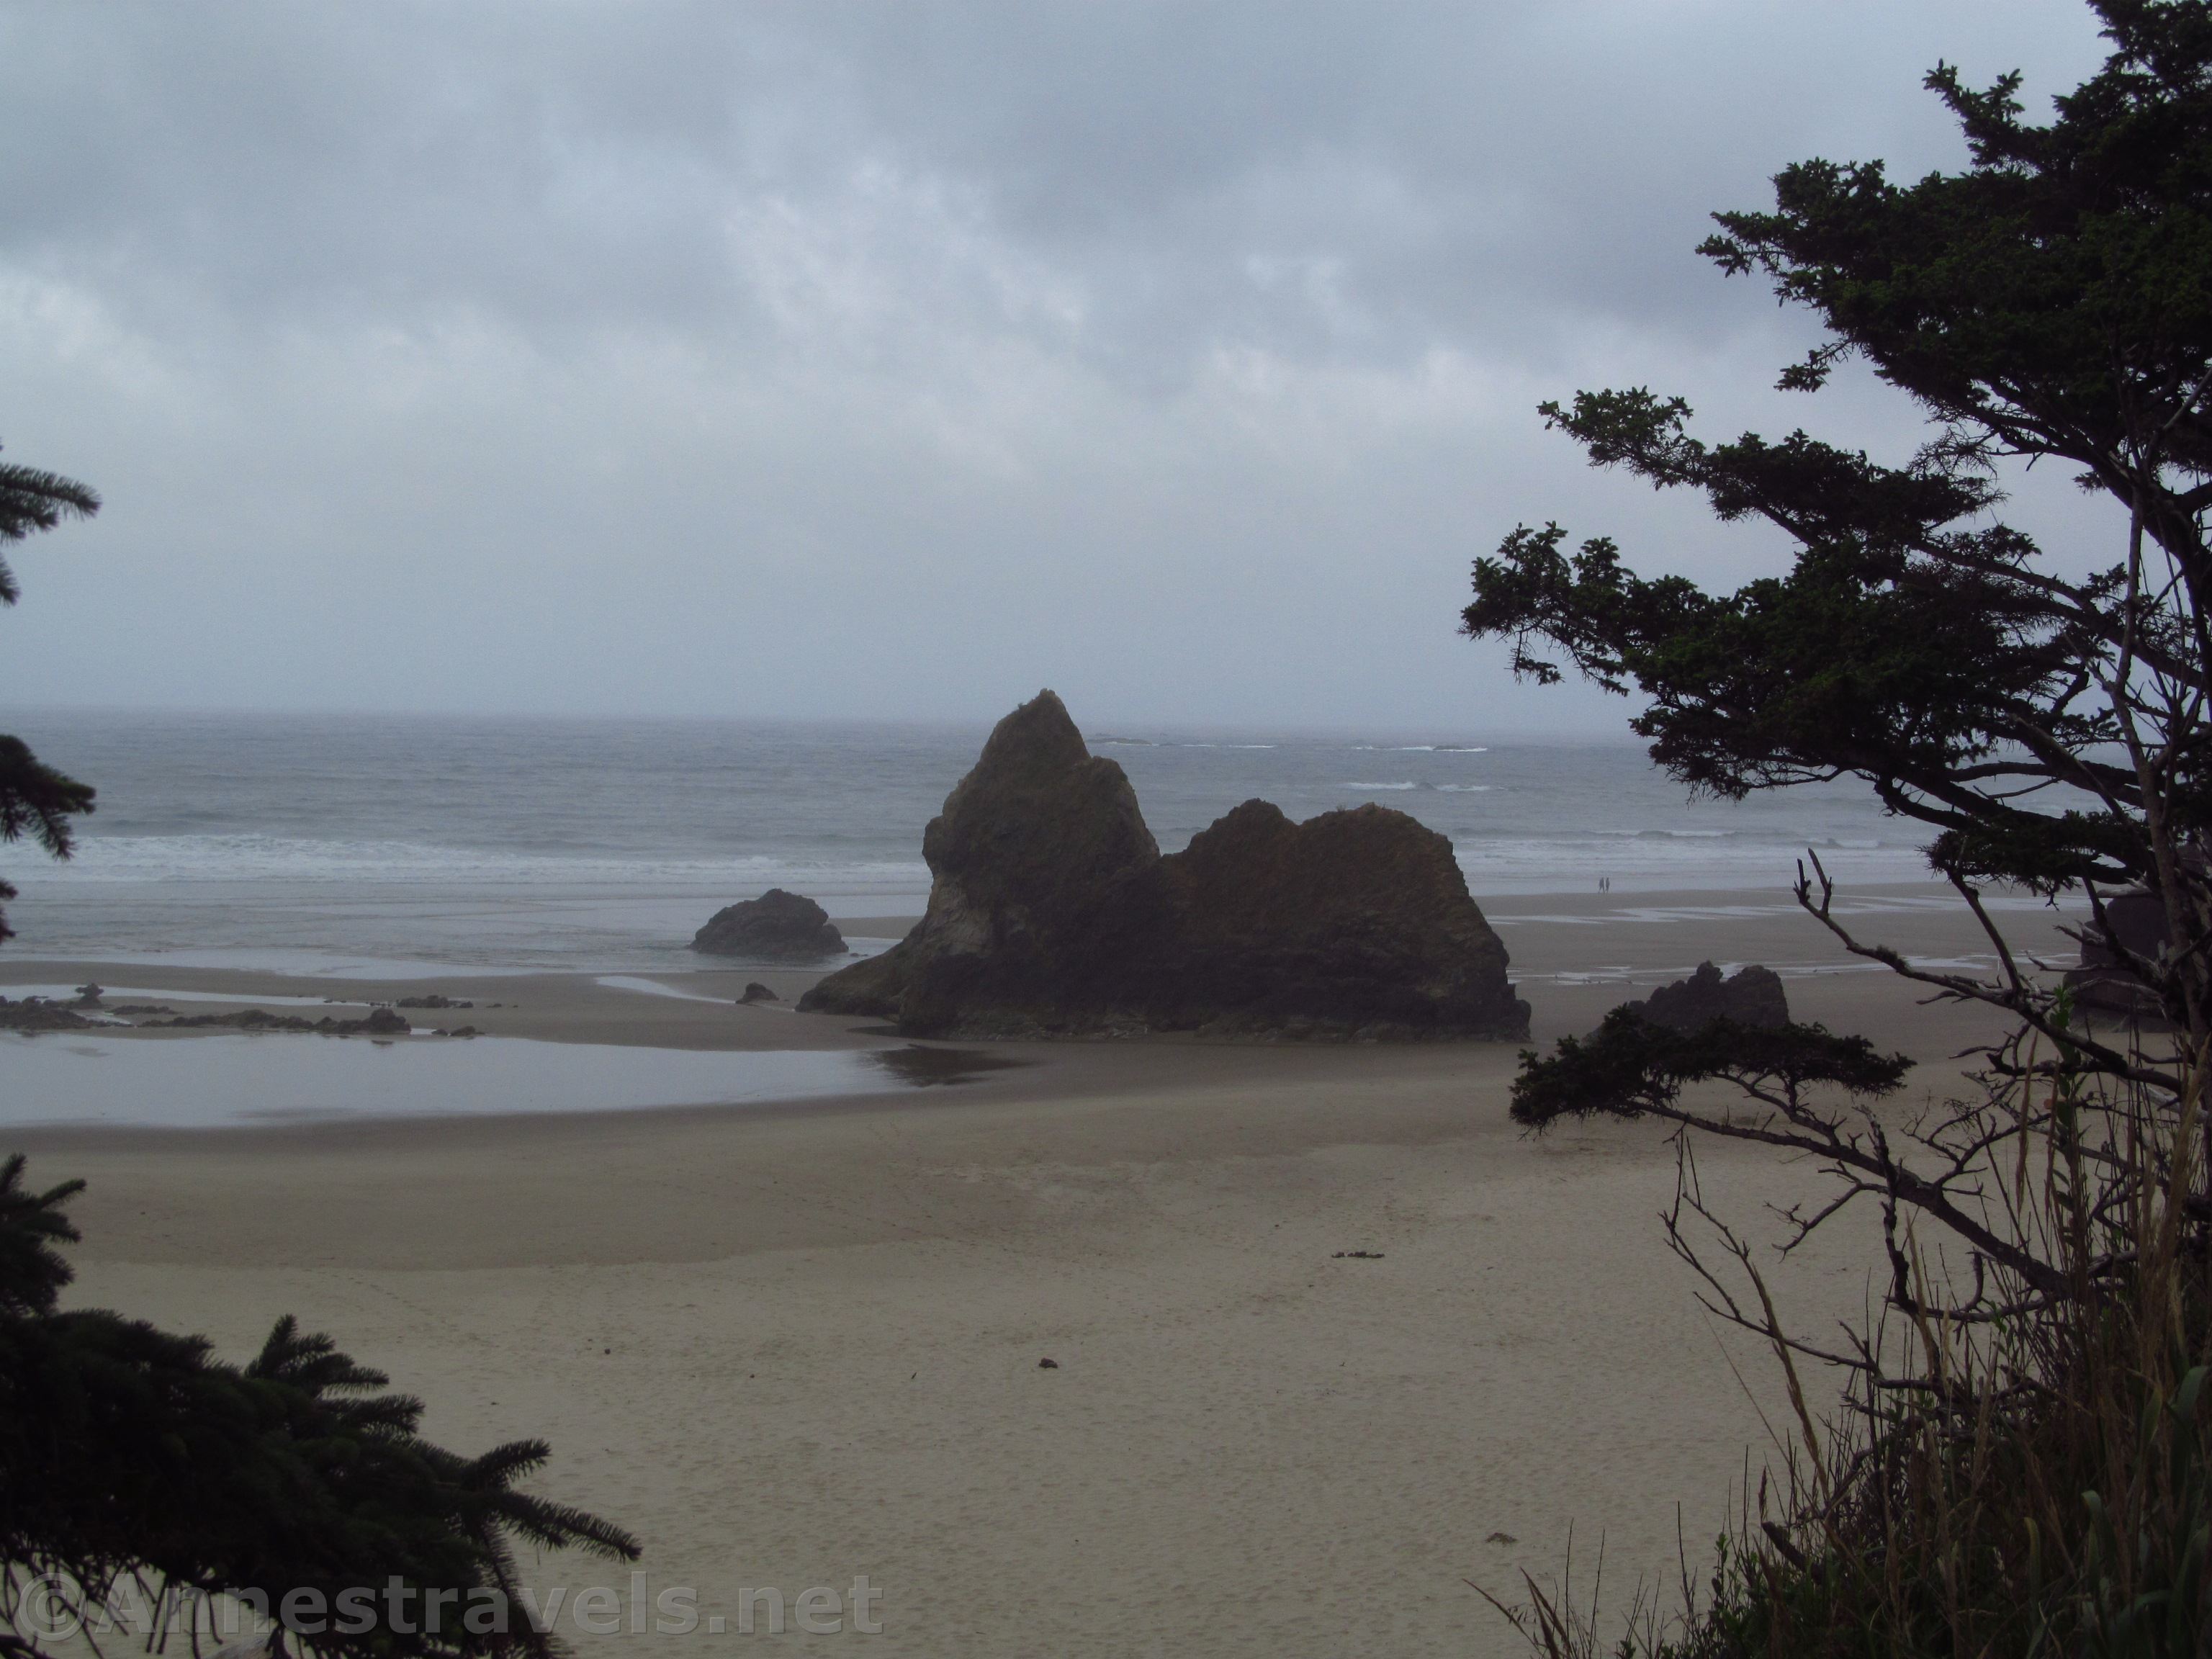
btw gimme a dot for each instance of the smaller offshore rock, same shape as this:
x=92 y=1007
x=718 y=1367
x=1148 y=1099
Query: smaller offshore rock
x=756 y=991
x=777 y=926
x=1751 y=995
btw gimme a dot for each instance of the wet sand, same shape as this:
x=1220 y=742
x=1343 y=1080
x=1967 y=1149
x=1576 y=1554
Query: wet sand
x=791 y=1345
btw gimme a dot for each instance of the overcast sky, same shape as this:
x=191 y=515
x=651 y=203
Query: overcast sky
x=893 y=359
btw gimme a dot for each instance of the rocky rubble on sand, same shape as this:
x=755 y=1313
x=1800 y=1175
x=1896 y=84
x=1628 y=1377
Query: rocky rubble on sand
x=45 y=1014
x=38 y=1014
x=1052 y=912
x=777 y=926
x=380 y=1022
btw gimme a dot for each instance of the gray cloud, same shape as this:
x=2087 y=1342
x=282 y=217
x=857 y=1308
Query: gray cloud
x=882 y=359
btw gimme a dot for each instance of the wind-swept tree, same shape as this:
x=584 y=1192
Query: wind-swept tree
x=34 y=798
x=2043 y=711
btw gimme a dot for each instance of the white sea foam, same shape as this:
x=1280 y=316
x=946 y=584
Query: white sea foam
x=498 y=846
x=1513 y=865
x=297 y=859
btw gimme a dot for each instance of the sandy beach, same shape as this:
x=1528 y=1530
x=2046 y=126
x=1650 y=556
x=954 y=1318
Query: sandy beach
x=790 y=1344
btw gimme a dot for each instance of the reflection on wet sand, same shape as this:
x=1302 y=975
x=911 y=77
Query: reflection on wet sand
x=920 y=1067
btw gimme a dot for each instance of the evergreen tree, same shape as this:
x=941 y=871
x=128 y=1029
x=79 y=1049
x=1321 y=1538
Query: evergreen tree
x=2051 y=303
x=34 y=798
x=133 y=1460
x=2023 y=1463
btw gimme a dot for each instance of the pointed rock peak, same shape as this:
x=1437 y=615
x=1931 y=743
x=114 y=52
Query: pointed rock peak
x=1037 y=740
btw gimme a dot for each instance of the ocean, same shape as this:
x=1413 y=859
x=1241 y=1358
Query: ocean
x=343 y=843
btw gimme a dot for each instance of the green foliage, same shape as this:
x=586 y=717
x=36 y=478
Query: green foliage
x=32 y=1272
x=2018 y=1465
x=130 y=1457
x=2050 y=303
x=34 y=798
x=2022 y=1474
x=32 y=500
x=128 y=1453
x=2141 y=1589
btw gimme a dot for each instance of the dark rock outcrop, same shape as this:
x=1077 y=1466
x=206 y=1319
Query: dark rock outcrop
x=38 y=1014
x=756 y=991
x=1047 y=893
x=777 y=926
x=1356 y=920
x=1053 y=912
x=1750 y=996
x=2137 y=919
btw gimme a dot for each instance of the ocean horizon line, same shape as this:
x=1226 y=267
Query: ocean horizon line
x=1106 y=729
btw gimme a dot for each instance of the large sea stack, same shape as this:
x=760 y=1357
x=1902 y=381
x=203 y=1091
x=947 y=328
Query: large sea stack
x=1053 y=912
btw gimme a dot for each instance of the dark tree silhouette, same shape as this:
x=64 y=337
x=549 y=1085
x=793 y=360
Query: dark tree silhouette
x=2052 y=303
x=133 y=1460
x=2024 y=1465
x=34 y=798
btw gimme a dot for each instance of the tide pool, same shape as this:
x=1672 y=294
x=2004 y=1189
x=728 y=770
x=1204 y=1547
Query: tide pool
x=56 y=1080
